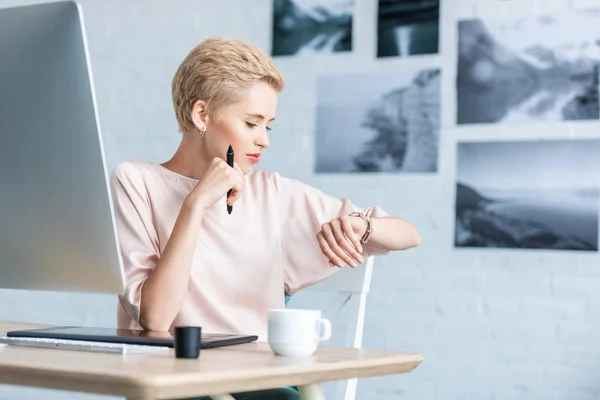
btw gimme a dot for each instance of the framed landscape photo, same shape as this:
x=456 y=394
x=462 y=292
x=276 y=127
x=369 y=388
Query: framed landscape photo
x=528 y=194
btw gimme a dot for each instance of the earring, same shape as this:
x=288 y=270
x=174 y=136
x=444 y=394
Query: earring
x=202 y=132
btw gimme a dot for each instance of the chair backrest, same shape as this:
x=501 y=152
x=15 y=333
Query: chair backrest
x=348 y=280
x=350 y=286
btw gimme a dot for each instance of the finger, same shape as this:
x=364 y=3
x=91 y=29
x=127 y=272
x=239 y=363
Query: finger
x=344 y=242
x=326 y=250
x=222 y=164
x=333 y=244
x=236 y=176
x=236 y=166
x=349 y=232
x=233 y=196
x=241 y=174
x=236 y=191
x=233 y=176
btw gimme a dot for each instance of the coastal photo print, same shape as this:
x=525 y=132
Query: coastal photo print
x=528 y=195
x=312 y=26
x=407 y=27
x=533 y=68
x=378 y=122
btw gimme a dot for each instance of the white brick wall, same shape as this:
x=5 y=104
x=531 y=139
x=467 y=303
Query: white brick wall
x=493 y=325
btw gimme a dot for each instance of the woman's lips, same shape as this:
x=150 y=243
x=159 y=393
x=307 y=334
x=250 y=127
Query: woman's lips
x=254 y=158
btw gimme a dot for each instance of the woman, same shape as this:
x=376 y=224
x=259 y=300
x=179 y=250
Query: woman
x=187 y=260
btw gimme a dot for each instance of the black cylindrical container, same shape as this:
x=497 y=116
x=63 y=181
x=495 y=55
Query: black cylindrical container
x=187 y=341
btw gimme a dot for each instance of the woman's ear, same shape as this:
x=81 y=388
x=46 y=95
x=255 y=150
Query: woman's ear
x=199 y=115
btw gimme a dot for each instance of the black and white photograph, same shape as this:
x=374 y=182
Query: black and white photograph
x=407 y=27
x=532 y=68
x=378 y=122
x=528 y=195
x=312 y=26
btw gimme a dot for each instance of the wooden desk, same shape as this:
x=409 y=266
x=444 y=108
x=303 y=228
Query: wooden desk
x=224 y=370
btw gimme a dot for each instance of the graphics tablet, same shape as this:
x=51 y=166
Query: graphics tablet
x=128 y=336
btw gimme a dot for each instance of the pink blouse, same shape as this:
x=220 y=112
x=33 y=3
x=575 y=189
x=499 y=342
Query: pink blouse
x=243 y=262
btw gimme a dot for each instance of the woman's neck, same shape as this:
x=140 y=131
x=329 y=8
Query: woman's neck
x=190 y=159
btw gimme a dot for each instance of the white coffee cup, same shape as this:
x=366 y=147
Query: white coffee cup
x=295 y=332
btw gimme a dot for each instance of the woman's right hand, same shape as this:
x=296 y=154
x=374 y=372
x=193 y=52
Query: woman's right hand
x=216 y=182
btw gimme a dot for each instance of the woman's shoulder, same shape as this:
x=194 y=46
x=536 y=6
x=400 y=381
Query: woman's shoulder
x=131 y=172
x=269 y=180
x=140 y=171
x=261 y=177
x=126 y=170
x=281 y=185
x=148 y=176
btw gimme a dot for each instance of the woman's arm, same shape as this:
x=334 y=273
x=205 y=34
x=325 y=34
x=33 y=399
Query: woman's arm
x=307 y=211
x=166 y=286
x=339 y=239
x=393 y=233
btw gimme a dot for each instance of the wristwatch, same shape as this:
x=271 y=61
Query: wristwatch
x=365 y=237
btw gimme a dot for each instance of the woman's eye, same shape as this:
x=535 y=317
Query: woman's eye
x=251 y=125
x=268 y=128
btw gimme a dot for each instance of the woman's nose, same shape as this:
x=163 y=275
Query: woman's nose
x=263 y=140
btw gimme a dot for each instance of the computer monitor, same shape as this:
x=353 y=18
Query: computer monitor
x=57 y=227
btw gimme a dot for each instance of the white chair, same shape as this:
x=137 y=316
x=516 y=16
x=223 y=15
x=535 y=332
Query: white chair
x=350 y=287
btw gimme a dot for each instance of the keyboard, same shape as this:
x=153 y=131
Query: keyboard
x=81 y=345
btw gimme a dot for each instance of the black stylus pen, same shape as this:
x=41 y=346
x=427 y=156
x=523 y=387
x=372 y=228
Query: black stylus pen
x=230 y=155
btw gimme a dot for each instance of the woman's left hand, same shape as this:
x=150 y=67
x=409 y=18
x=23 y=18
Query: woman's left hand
x=339 y=240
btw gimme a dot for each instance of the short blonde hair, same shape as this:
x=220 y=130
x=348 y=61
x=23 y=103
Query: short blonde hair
x=216 y=71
